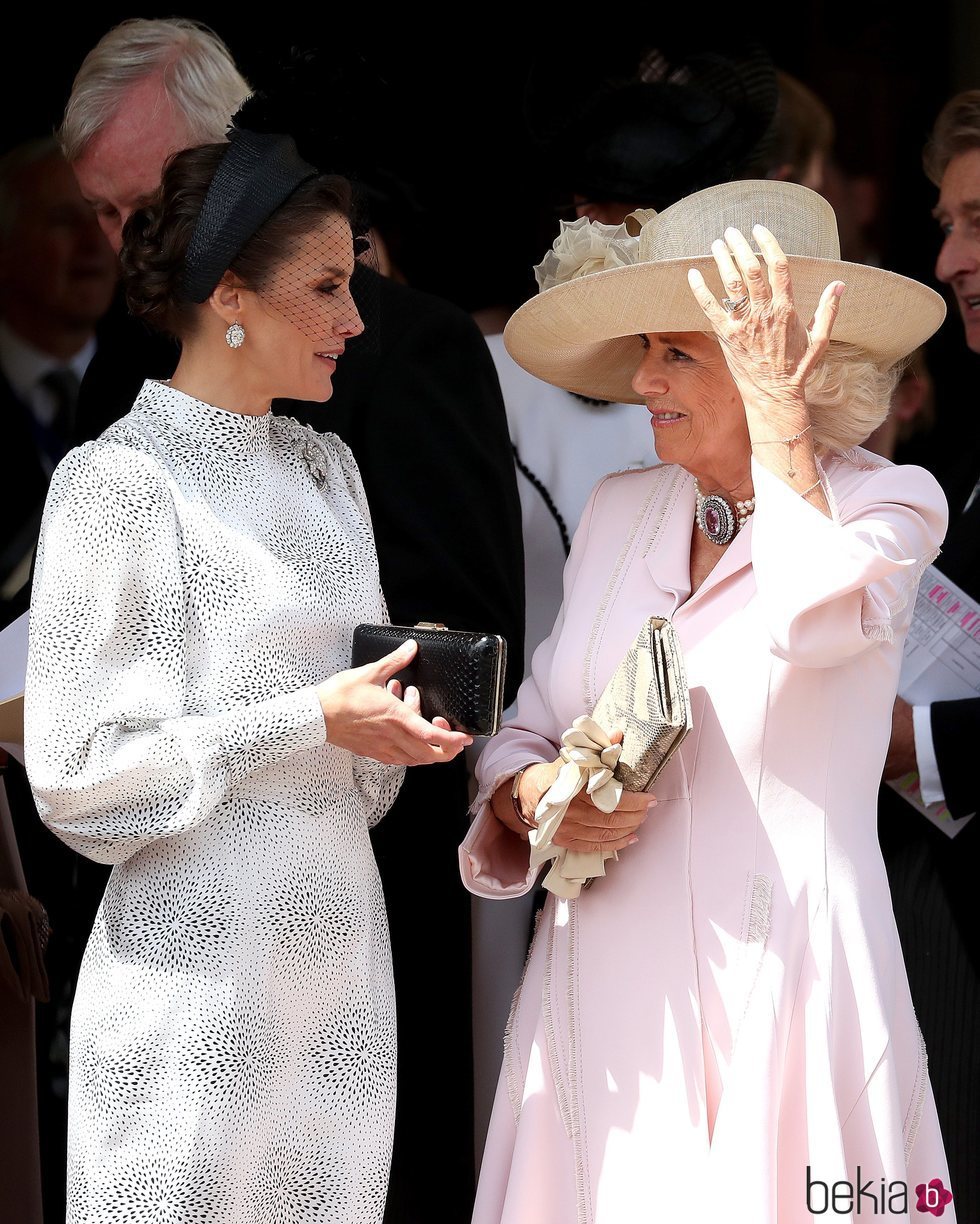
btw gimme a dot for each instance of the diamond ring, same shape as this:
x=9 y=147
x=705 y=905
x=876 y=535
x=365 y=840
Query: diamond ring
x=734 y=304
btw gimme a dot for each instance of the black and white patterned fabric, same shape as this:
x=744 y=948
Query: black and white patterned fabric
x=233 y=1037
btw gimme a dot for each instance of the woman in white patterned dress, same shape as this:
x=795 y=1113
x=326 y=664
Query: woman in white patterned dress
x=190 y=719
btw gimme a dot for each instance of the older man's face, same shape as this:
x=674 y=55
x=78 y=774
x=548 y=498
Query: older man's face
x=121 y=167
x=958 y=214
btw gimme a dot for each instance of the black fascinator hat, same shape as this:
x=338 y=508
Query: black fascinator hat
x=655 y=123
x=258 y=173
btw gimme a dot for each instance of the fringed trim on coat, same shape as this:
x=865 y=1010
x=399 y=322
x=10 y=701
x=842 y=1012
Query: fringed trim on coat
x=513 y=1062
x=913 y=1114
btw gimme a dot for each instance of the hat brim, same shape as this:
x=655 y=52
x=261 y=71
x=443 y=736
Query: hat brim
x=582 y=335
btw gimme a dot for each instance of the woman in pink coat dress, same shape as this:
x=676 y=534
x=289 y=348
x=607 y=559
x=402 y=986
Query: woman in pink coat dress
x=721 y=1029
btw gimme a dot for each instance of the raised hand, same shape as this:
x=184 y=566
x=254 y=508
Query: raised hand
x=769 y=351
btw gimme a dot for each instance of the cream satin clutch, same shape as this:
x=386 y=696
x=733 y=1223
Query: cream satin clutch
x=647 y=699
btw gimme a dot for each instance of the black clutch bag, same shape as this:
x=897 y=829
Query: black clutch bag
x=459 y=675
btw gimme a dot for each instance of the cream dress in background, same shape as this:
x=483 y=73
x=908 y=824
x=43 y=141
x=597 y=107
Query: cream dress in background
x=233 y=1035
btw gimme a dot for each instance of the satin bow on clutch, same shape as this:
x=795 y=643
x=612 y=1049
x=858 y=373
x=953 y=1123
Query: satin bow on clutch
x=589 y=760
x=647 y=699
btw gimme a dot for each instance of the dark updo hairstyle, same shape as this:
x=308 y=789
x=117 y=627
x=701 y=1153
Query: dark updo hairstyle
x=157 y=236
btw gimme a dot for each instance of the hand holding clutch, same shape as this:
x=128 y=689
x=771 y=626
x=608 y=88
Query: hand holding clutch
x=589 y=760
x=459 y=674
x=647 y=699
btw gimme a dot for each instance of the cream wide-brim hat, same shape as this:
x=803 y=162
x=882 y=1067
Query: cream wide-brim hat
x=582 y=334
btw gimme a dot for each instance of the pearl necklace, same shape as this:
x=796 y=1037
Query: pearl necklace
x=716 y=519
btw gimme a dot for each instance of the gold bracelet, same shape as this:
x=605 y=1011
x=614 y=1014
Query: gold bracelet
x=789 y=443
x=514 y=798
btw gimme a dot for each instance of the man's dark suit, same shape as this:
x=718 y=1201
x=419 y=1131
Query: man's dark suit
x=23 y=485
x=934 y=885
x=419 y=404
x=128 y=352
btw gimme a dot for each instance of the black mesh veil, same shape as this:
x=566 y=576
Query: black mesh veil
x=298 y=95
x=274 y=186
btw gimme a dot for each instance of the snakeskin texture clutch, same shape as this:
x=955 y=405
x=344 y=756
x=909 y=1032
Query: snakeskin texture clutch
x=648 y=700
x=459 y=674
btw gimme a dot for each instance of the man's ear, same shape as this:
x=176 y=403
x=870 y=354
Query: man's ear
x=227 y=301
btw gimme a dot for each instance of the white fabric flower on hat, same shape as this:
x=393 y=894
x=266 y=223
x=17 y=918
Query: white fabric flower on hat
x=583 y=247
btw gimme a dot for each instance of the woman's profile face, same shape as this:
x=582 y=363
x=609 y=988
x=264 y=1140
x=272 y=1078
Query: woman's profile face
x=695 y=408
x=304 y=315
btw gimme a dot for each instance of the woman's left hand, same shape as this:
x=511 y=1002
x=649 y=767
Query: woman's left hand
x=769 y=351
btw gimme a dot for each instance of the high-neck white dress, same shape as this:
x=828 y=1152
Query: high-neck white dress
x=233 y=1036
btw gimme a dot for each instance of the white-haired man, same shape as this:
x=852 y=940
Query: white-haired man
x=147 y=89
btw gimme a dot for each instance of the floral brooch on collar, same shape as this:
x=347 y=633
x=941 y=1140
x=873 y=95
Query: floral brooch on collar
x=304 y=441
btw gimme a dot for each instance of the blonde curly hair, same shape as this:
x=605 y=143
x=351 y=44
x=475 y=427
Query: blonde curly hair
x=848 y=396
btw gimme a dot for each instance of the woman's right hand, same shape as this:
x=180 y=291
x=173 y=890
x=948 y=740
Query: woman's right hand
x=365 y=715
x=584 y=827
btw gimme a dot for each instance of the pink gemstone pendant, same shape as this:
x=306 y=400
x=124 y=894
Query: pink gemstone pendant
x=715 y=518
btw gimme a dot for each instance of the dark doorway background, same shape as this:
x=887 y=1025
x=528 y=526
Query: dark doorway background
x=452 y=111
x=449 y=123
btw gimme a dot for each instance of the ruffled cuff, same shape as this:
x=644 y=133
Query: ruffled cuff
x=831 y=588
x=493 y=861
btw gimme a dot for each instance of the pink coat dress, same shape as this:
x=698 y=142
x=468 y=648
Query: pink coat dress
x=721 y=1028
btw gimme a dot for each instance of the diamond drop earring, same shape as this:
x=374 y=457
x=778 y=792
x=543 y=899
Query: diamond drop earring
x=235 y=336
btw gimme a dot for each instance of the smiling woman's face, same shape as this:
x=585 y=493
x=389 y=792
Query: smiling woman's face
x=696 y=410
x=300 y=321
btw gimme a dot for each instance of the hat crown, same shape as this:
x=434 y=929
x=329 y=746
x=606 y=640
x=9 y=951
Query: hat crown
x=801 y=220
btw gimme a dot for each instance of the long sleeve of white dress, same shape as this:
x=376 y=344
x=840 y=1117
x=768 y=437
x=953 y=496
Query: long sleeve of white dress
x=114 y=759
